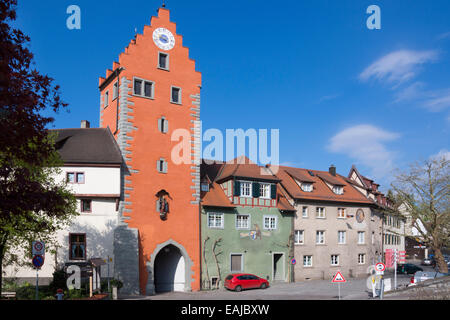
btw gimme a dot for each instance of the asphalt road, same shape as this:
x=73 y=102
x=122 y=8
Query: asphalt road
x=353 y=289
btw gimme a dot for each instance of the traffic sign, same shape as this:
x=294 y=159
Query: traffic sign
x=38 y=248
x=338 y=277
x=293 y=261
x=38 y=261
x=380 y=266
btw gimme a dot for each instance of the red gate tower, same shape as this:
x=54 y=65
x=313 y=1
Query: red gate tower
x=150 y=100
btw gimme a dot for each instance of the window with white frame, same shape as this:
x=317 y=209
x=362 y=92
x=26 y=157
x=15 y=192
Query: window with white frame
x=299 y=237
x=361 y=258
x=307 y=187
x=307 y=261
x=175 y=95
x=161 y=165
x=242 y=221
x=338 y=189
x=320 y=237
x=215 y=220
x=342 y=237
x=270 y=222
x=305 y=212
x=265 y=190
x=115 y=90
x=163 y=61
x=320 y=212
x=341 y=213
x=246 y=189
x=334 y=259
x=106 y=98
x=143 y=88
x=361 y=236
x=163 y=125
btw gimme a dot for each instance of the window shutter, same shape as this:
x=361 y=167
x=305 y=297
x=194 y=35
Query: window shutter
x=158 y=206
x=160 y=125
x=165 y=167
x=273 y=191
x=256 y=189
x=166 y=125
x=237 y=188
x=157 y=166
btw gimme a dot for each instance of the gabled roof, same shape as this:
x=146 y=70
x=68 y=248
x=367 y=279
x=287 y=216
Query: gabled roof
x=215 y=197
x=87 y=146
x=242 y=167
x=321 y=191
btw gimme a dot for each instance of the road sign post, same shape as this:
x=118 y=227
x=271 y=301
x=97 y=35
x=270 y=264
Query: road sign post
x=38 y=251
x=338 y=278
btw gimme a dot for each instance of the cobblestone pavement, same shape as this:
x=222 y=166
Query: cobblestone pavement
x=353 y=289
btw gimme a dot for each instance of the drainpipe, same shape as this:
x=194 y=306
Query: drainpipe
x=117 y=71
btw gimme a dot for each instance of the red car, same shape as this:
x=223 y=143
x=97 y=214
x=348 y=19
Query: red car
x=239 y=281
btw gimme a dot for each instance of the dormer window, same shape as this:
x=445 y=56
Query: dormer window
x=338 y=189
x=307 y=187
x=265 y=191
x=246 y=189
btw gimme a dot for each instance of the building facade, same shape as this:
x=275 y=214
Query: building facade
x=246 y=224
x=150 y=100
x=393 y=222
x=92 y=170
x=334 y=228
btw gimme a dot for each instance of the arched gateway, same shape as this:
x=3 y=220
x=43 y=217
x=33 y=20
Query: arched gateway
x=169 y=269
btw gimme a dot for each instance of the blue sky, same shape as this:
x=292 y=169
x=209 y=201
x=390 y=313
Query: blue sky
x=338 y=92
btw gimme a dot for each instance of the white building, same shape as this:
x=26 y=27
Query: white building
x=393 y=224
x=92 y=168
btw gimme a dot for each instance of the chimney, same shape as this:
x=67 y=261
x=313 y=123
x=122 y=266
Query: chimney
x=332 y=170
x=85 y=124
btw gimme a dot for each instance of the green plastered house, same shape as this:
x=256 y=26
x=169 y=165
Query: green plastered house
x=246 y=223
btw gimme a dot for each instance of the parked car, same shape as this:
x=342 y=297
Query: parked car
x=408 y=268
x=240 y=281
x=420 y=276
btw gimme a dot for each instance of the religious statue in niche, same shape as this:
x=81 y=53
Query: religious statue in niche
x=162 y=204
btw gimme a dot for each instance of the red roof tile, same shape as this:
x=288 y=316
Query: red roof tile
x=321 y=191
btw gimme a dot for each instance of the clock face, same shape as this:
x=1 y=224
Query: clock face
x=164 y=39
x=360 y=215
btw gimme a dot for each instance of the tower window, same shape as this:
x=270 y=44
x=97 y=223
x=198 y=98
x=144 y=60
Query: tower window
x=163 y=125
x=163 y=61
x=148 y=89
x=175 y=96
x=143 y=88
x=137 y=87
x=106 y=98
x=161 y=165
x=115 y=90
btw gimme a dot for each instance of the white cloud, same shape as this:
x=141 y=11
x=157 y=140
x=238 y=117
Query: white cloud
x=398 y=66
x=444 y=153
x=438 y=101
x=328 y=98
x=365 y=143
x=432 y=100
x=411 y=92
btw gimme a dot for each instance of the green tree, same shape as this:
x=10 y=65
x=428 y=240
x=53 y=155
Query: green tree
x=33 y=205
x=425 y=191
